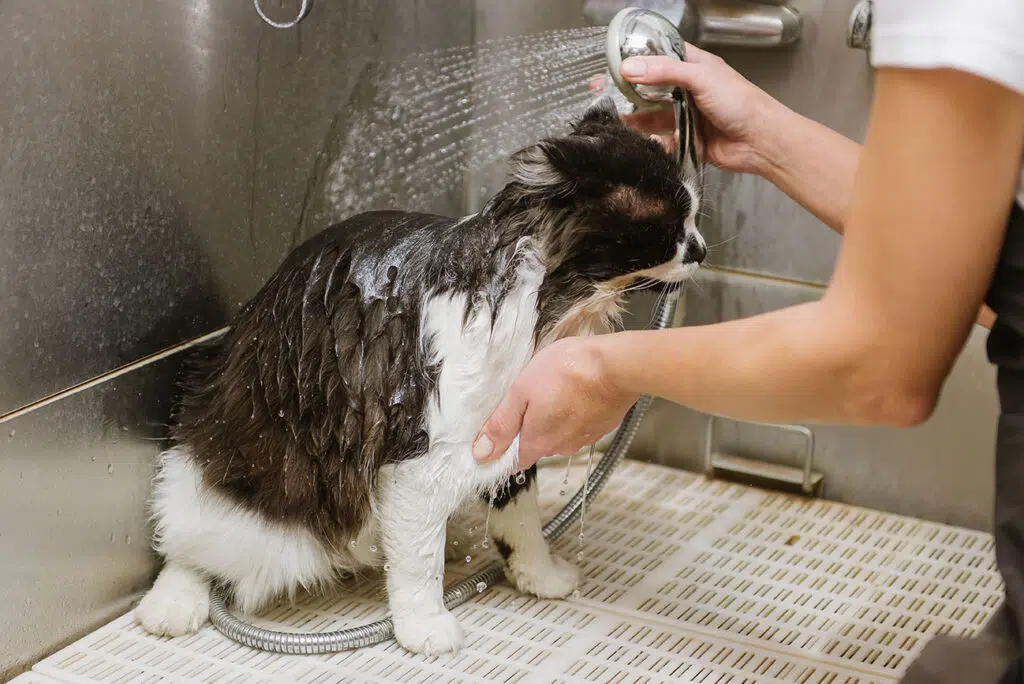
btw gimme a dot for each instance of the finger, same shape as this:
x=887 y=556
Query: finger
x=654 y=120
x=667 y=143
x=500 y=430
x=699 y=56
x=664 y=71
x=530 y=452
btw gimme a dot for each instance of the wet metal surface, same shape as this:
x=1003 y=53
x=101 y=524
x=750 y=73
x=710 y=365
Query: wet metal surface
x=154 y=162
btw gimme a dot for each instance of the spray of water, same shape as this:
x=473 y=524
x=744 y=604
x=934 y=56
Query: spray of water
x=436 y=118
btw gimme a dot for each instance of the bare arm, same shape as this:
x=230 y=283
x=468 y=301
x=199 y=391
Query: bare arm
x=925 y=224
x=811 y=163
x=748 y=131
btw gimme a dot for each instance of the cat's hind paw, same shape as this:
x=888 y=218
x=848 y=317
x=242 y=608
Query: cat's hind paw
x=555 y=580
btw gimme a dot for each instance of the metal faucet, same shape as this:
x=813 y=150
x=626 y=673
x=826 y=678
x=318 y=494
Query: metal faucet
x=714 y=24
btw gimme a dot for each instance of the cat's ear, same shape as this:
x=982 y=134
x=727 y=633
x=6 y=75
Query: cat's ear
x=601 y=110
x=559 y=166
x=535 y=169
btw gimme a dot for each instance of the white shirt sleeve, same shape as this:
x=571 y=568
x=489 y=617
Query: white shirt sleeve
x=983 y=37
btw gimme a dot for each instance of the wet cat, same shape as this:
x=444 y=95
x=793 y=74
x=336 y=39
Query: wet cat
x=331 y=428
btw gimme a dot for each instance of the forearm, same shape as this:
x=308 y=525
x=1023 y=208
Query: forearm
x=815 y=166
x=810 y=162
x=800 y=364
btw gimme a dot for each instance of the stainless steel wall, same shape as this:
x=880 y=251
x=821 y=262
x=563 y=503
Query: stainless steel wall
x=155 y=159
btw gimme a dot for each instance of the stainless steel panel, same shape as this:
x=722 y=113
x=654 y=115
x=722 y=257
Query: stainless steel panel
x=823 y=79
x=74 y=479
x=942 y=470
x=155 y=159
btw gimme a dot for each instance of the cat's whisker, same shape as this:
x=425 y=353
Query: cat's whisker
x=719 y=244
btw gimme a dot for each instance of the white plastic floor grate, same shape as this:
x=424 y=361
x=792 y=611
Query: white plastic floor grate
x=687 y=580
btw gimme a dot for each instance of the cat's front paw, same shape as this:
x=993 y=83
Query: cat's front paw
x=429 y=634
x=554 y=580
x=163 y=613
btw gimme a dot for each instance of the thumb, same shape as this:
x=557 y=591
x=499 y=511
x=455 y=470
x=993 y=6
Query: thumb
x=500 y=430
x=663 y=71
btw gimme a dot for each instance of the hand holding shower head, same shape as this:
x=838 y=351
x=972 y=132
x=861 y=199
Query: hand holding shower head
x=637 y=32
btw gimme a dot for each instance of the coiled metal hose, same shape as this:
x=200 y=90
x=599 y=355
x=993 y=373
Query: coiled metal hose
x=295 y=643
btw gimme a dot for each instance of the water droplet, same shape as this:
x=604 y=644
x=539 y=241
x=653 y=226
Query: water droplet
x=576 y=594
x=469 y=559
x=128 y=540
x=352 y=544
x=455 y=543
x=579 y=556
x=111 y=538
x=521 y=478
x=486 y=544
x=59 y=511
x=92 y=459
x=480 y=586
x=387 y=567
x=280 y=414
x=110 y=469
x=373 y=549
x=12 y=433
x=562 y=493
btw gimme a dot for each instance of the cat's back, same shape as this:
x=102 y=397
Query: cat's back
x=322 y=378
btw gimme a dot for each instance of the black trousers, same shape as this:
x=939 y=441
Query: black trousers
x=996 y=654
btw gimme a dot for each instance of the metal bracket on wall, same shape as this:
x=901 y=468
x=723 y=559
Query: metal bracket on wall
x=304 y=10
x=707 y=23
x=802 y=480
x=858 y=31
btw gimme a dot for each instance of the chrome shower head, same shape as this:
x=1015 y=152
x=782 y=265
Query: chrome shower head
x=637 y=32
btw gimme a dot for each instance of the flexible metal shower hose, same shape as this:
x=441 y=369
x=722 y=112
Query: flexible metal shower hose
x=295 y=643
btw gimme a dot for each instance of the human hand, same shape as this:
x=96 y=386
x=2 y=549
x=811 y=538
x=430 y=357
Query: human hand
x=737 y=116
x=560 y=403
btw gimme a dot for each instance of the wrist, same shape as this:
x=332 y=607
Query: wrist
x=612 y=352
x=770 y=123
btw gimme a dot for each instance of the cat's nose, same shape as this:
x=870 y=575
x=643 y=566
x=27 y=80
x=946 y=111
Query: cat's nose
x=695 y=249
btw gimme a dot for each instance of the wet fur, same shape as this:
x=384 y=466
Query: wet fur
x=331 y=428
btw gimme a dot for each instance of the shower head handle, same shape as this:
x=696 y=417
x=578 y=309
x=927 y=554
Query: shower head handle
x=638 y=32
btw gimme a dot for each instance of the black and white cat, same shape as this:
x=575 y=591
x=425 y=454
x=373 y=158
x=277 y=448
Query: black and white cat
x=331 y=429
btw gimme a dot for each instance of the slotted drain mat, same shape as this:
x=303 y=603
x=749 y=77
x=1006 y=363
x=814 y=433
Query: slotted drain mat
x=687 y=580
